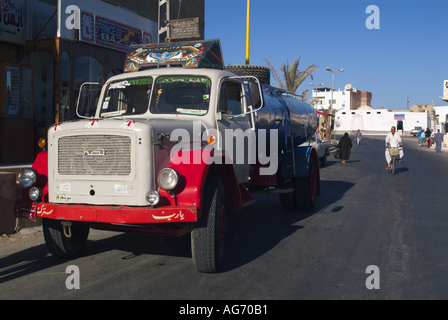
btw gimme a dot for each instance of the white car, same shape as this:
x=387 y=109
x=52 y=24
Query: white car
x=322 y=147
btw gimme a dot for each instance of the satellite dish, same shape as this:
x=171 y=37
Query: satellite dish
x=348 y=87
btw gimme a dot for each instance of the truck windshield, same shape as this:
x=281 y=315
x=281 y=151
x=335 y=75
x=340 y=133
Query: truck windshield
x=181 y=95
x=127 y=97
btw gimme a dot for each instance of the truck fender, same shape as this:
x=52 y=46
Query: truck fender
x=40 y=165
x=192 y=178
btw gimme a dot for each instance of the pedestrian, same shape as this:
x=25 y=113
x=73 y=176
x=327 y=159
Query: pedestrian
x=344 y=146
x=428 y=137
x=438 y=138
x=358 y=137
x=419 y=135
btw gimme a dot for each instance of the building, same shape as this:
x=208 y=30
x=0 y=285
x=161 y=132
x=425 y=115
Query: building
x=50 y=47
x=347 y=99
x=379 y=121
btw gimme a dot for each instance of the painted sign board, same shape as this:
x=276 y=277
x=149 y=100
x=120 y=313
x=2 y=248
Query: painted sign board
x=13 y=21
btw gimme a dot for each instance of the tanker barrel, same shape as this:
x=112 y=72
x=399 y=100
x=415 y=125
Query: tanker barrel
x=303 y=118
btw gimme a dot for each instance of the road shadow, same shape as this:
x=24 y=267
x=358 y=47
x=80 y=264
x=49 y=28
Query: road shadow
x=250 y=234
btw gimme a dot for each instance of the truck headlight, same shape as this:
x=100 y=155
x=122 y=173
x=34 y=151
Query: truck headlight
x=168 y=179
x=27 y=177
x=152 y=198
x=35 y=194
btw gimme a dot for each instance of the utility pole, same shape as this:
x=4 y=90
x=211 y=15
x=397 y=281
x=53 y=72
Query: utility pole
x=247 y=32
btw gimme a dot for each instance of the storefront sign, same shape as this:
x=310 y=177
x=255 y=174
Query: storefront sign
x=13 y=21
x=185 y=28
x=116 y=35
x=399 y=116
x=104 y=32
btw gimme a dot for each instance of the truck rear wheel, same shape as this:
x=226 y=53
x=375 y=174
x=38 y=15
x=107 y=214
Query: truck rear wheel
x=66 y=244
x=307 y=189
x=261 y=73
x=207 y=237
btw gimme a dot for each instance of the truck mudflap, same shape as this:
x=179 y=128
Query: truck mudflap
x=106 y=214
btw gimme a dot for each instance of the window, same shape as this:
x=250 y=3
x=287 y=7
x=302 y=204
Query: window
x=186 y=94
x=127 y=97
x=18 y=95
x=230 y=98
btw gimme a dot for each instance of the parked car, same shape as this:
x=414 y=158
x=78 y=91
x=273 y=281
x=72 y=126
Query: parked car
x=322 y=147
x=416 y=130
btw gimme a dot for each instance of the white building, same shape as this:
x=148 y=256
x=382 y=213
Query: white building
x=347 y=99
x=379 y=121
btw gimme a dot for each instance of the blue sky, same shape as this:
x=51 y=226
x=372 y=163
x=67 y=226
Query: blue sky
x=406 y=57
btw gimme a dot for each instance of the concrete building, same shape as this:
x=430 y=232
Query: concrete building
x=50 y=47
x=347 y=99
x=379 y=121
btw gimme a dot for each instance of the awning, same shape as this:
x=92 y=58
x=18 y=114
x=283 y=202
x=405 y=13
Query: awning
x=323 y=113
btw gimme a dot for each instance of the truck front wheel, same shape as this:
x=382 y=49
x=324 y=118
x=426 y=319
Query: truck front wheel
x=207 y=237
x=64 y=244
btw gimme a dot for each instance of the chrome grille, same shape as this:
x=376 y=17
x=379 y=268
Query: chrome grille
x=97 y=155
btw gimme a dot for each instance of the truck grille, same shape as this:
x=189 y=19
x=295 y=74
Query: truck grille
x=97 y=155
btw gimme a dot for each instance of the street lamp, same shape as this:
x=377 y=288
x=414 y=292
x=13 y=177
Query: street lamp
x=332 y=88
x=313 y=85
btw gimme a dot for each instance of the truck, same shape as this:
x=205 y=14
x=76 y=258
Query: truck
x=166 y=148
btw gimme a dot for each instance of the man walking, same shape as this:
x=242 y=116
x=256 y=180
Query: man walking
x=358 y=137
x=438 y=138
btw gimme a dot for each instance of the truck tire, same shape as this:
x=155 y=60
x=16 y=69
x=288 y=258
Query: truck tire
x=261 y=73
x=307 y=189
x=59 y=244
x=207 y=236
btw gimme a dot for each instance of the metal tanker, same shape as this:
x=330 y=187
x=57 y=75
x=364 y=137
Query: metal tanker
x=153 y=156
x=286 y=113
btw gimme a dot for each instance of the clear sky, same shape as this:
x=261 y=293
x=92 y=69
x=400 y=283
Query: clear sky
x=407 y=57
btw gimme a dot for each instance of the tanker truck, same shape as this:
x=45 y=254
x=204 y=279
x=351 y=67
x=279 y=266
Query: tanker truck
x=166 y=148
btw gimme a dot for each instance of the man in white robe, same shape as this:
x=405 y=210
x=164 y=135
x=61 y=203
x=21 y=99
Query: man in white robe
x=393 y=140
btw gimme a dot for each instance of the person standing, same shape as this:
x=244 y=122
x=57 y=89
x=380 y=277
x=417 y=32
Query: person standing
x=438 y=138
x=344 y=146
x=358 y=137
x=428 y=137
x=393 y=140
x=419 y=135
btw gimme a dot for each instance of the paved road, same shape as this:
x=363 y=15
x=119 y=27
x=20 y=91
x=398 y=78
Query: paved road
x=364 y=217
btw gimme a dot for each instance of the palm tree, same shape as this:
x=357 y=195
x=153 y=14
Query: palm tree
x=292 y=77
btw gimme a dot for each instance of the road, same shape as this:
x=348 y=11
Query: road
x=364 y=217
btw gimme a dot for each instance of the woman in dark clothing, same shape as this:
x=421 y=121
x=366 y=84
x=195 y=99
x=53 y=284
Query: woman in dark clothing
x=344 y=146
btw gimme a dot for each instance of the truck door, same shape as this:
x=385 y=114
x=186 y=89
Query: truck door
x=233 y=125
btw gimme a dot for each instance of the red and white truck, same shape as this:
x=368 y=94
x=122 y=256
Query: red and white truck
x=166 y=151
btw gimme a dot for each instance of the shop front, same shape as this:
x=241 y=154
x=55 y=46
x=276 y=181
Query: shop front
x=44 y=64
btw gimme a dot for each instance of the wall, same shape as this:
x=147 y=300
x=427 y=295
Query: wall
x=379 y=120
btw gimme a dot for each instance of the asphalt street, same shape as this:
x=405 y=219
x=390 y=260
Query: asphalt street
x=364 y=217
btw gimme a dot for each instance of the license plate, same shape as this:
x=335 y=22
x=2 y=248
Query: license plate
x=26 y=211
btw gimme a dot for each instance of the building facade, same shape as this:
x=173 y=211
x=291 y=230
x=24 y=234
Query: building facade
x=347 y=99
x=50 y=47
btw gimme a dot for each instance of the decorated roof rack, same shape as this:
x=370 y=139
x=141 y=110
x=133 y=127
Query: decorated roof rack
x=195 y=54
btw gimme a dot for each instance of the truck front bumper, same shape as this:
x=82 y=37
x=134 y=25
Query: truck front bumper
x=105 y=214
